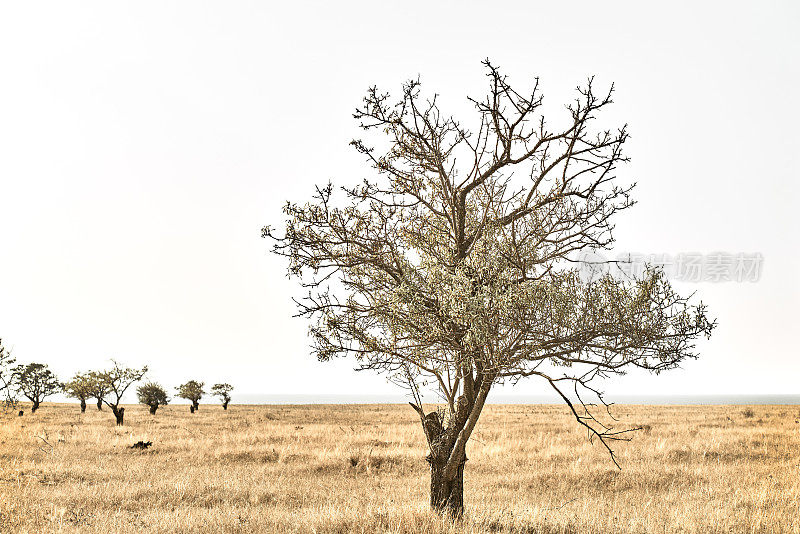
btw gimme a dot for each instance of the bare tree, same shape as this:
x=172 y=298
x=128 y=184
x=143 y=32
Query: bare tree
x=152 y=395
x=453 y=267
x=36 y=382
x=7 y=385
x=117 y=380
x=80 y=387
x=223 y=391
x=192 y=391
x=98 y=387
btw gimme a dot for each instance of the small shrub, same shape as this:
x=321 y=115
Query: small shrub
x=748 y=413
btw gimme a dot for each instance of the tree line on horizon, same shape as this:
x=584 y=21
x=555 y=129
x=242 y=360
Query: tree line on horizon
x=36 y=382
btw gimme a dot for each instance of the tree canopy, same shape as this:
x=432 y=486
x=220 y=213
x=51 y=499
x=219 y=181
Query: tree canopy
x=152 y=395
x=80 y=387
x=223 y=391
x=455 y=265
x=192 y=391
x=115 y=382
x=36 y=382
x=7 y=387
x=98 y=386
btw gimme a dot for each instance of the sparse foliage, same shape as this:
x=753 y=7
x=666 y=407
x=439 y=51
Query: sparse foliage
x=8 y=397
x=223 y=391
x=81 y=388
x=36 y=382
x=192 y=391
x=116 y=381
x=98 y=387
x=454 y=267
x=152 y=395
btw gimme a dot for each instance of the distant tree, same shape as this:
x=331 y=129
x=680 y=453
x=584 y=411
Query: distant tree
x=192 y=391
x=116 y=381
x=7 y=378
x=36 y=382
x=152 y=395
x=98 y=387
x=455 y=265
x=223 y=391
x=80 y=387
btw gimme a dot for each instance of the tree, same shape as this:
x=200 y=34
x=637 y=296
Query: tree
x=117 y=380
x=80 y=387
x=36 y=382
x=152 y=395
x=7 y=384
x=192 y=391
x=223 y=391
x=454 y=266
x=98 y=387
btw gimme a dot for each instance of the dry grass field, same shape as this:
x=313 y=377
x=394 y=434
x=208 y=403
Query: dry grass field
x=362 y=469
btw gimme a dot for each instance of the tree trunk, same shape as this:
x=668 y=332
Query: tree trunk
x=225 y=405
x=119 y=413
x=447 y=496
x=153 y=408
x=99 y=404
x=191 y=408
x=196 y=405
x=35 y=406
x=447 y=450
x=83 y=405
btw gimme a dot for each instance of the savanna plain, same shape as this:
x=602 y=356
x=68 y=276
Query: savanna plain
x=361 y=468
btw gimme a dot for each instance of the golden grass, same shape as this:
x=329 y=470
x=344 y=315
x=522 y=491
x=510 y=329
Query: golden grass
x=362 y=469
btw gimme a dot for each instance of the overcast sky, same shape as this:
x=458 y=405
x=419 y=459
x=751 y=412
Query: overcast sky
x=143 y=147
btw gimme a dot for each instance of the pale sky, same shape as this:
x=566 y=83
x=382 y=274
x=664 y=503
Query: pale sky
x=144 y=145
